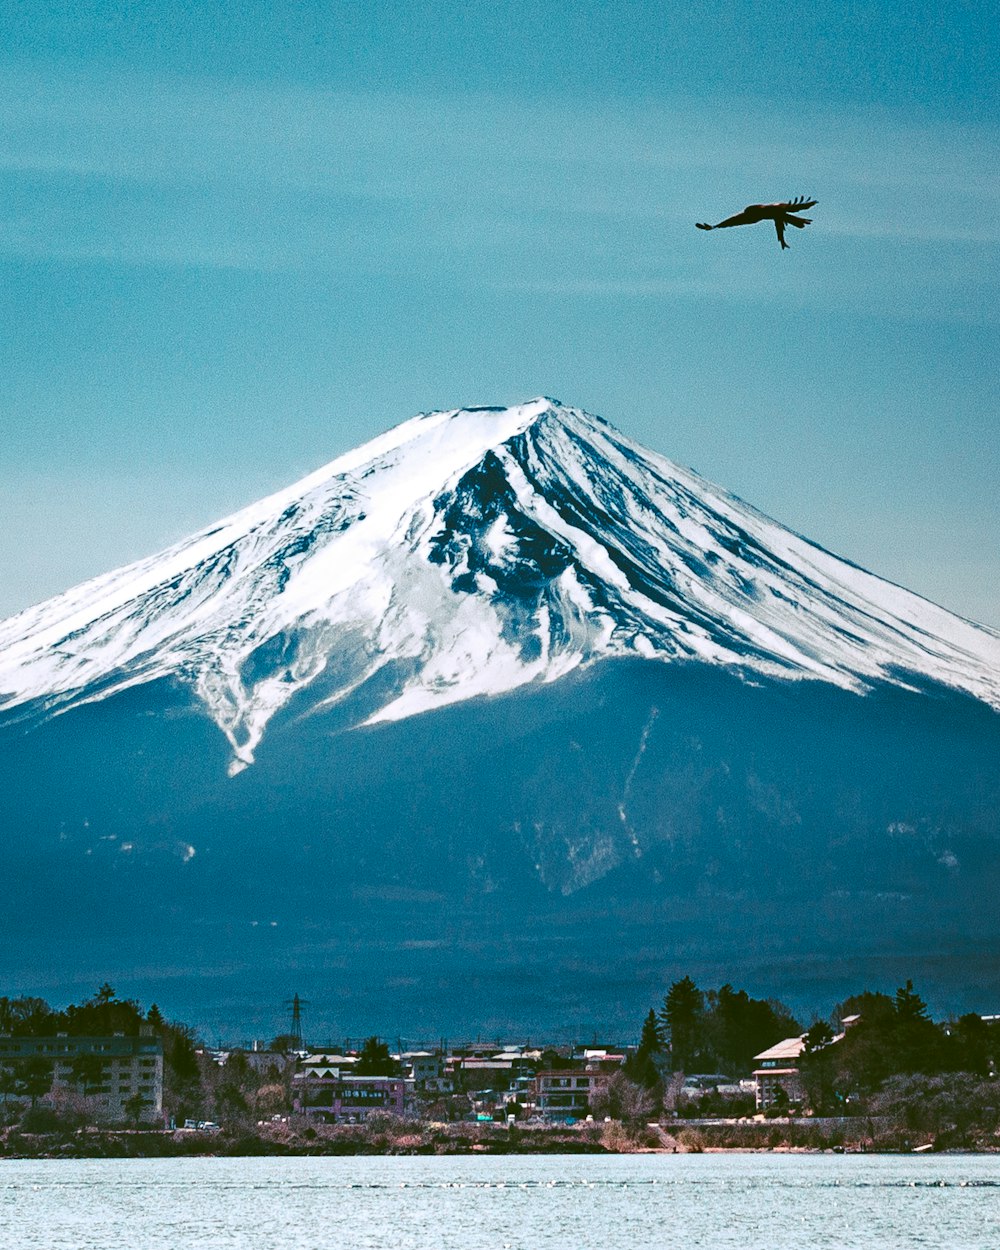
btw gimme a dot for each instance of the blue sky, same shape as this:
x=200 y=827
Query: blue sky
x=236 y=240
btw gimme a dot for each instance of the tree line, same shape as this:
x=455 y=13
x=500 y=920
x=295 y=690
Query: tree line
x=892 y=1036
x=871 y=1043
x=711 y=1032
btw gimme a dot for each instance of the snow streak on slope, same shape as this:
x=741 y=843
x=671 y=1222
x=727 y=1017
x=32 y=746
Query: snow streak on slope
x=468 y=553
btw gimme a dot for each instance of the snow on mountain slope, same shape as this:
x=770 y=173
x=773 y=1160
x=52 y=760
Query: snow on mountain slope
x=476 y=551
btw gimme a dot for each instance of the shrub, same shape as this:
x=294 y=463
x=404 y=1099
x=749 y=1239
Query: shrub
x=42 y=1119
x=692 y=1139
x=619 y=1138
x=954 y=1109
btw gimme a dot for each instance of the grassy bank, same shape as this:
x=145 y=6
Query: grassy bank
x=385 y=1135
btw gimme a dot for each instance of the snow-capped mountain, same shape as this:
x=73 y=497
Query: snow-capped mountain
x=708 y=747
x=469 y=553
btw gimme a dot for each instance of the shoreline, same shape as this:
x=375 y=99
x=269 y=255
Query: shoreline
x=430 y=1140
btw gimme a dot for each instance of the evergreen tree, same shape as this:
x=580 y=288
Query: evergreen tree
x=101 y=1016
x=651 y=1038
x=893 y=1037
x=375 y=1060
x=34 y=1078
x=916 y=1041
x=682 y=1020
x=183 y=1093
x=644 y=1066
x=910 y=1007
x=971 y=1045
x=818 y=1035
x=737 y=1027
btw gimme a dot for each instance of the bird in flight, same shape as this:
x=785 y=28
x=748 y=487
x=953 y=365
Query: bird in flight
x=780 y=214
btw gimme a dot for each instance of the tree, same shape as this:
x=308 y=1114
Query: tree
x=721 y=1030
x=953 y=1109
x=87 y=1071
x=105 y=994
x=34 y=1078
x=133 y=1107
x=271 y=1099
x=232 y=1106
x=818 y=1035
x=819 y=1068
x=893 y=1036
x=25 y=1017
x=183 y=1094
x=625 y=1100
x=917 y=1042
x=682 y=1020
x=375 y=1060
x=8 y=1082
x=870 y=1006
x=643 y=1067
x=971 y=1045
x=737 y=1027
x=101 y=1015
x=780 y=1102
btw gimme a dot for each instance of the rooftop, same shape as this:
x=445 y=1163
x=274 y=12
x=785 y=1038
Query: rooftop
x=790 y=1048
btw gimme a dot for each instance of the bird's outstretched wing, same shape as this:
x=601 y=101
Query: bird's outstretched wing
x=800 y=201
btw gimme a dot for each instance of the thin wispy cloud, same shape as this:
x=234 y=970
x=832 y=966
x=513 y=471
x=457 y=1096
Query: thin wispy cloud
x=140 y=170
x=257 y=275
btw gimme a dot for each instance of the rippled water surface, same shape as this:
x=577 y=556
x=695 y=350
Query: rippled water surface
x=781 y=1202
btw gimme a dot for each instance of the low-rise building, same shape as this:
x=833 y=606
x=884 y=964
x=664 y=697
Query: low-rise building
x=326 y=1065
x=116 y=1075
x=777 y=1068
x=600 y=1059
x=339 y=1098
x=566 y=1093
x=422 y=1066
x=475 y=1073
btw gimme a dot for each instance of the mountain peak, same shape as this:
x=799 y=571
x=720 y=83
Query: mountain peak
x=468 y=552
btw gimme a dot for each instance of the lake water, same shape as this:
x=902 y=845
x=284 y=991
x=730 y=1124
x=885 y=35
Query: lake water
x=777 y=1202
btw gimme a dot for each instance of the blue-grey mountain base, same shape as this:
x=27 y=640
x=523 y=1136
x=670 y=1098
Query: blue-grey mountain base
x=499 y=722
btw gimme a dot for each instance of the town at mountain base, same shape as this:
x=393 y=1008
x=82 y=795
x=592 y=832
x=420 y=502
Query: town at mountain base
x=710 y=1069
